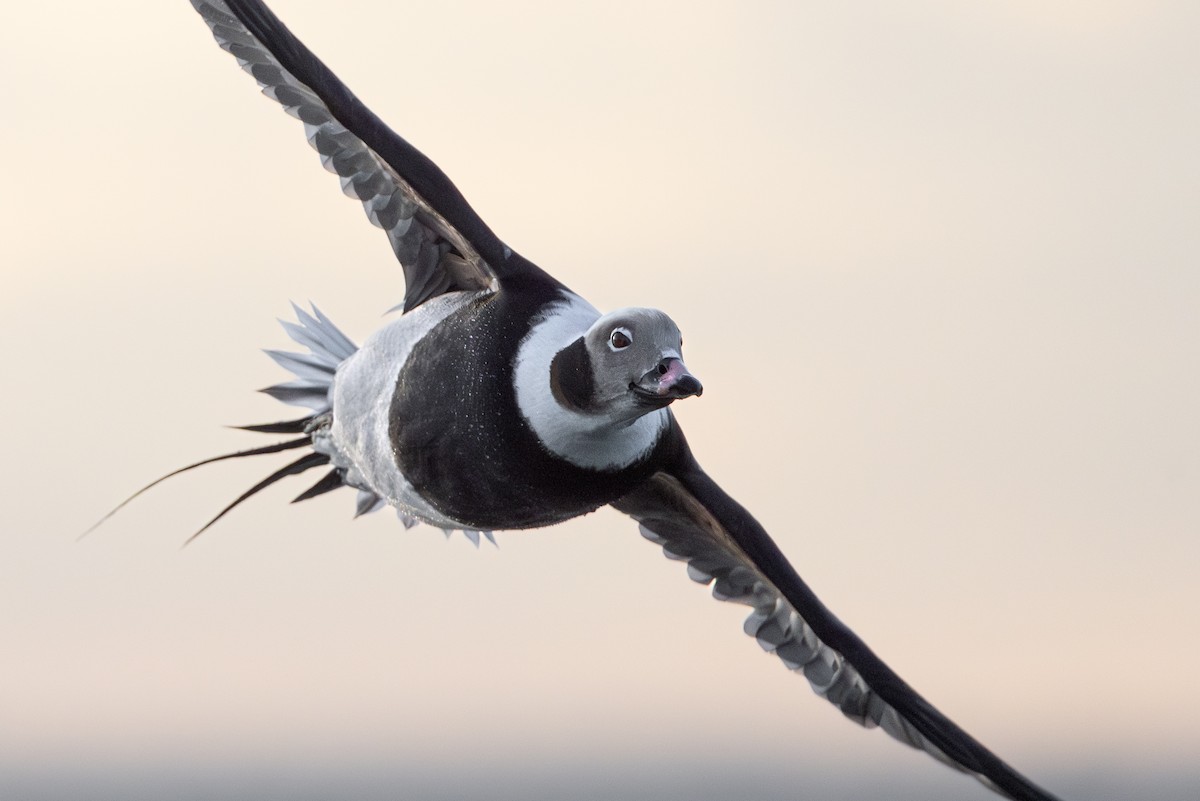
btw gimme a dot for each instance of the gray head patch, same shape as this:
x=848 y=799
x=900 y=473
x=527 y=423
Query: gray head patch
x=586 y=434
x=623 y=346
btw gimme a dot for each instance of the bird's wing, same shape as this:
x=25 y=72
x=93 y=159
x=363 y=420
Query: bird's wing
x=442 y=244
x=684 y=511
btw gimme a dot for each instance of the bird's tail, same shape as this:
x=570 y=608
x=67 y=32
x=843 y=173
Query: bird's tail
x=314 y=373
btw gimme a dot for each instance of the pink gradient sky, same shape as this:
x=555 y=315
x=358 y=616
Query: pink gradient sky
x=936 y=264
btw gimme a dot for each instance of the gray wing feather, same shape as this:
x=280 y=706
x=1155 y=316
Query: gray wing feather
x=779 y=629
x=433 y=255
x=672 y=518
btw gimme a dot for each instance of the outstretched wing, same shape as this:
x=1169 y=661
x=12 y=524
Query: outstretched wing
x=442 y=244
x=694 y=521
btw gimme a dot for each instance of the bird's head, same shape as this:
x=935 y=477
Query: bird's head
x=628 y=363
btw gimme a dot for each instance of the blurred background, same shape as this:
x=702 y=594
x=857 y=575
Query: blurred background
x=935 y=262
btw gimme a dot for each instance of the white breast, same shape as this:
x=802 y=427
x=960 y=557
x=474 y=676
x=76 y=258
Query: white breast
x=585 y=440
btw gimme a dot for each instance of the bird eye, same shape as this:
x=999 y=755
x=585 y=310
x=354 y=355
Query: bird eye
x=620 y=339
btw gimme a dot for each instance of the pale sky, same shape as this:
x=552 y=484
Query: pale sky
x=935 y=262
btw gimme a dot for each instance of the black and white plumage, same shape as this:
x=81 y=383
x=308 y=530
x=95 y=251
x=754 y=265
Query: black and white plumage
x=500 y=399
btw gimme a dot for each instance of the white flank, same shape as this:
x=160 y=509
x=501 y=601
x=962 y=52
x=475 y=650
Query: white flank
x=585 y=440
x=362 y=392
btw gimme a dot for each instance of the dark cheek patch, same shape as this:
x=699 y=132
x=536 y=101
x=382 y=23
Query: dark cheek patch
x=571 y=376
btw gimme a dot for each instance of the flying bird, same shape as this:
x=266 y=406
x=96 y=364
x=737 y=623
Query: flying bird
x=500 y=399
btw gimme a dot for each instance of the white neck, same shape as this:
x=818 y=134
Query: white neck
x=586 y=440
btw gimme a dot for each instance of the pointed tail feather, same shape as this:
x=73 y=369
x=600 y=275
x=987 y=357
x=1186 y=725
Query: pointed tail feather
x=314 y=373
x=305 y=462
x=328 y=483
x=275 y=448
x=282 y=427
